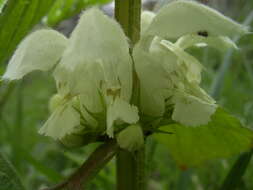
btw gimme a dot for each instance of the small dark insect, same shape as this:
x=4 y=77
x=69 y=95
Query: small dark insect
x=203 y=33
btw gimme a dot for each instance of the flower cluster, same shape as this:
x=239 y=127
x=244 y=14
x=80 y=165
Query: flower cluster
x=93 y=70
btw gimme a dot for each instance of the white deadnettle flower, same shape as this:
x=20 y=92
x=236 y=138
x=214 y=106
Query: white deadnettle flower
x=93 y=69
x=93 y=74
x=97 y=66
x=168 y=74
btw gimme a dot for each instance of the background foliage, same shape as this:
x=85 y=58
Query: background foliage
x=23 y=105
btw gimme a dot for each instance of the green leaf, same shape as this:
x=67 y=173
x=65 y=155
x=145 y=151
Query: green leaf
x=16 y=20
x=63 y=9
x=236 y=173
x=8 y=176
x=223 y=137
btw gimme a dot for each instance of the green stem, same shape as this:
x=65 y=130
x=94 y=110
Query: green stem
x=131 y=172
x=125 y=170
x=127 y=13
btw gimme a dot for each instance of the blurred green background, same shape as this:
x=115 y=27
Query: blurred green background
x=40 y=161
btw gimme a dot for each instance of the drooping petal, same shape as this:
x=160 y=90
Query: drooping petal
x=146 y=19
x=98 y=52
x=152 y=67
x=194 y=67
x=62 y=122
x=190 y=110
x=220 y=42
x=39 y=51
x=120 y=111
x=188 y=17
x=197 y=91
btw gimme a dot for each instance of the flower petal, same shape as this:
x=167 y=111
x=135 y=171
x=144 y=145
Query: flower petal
x=188 y=17
x=192 y=111
x=39 y=51
x=219 y=42
x=62 y=122
x=194 y=67
x=120 y=111
x=146 y=19
x=152 y=67
x=197 y=91
x=99 y=52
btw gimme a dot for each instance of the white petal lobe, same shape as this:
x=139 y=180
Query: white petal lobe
x=120 y=111
x=98 y=53
x=62 y=122
x=146 y=19
x=193 y=65
x=188 y=17
x=39 y=51
x=192 y=111
x=219 y=42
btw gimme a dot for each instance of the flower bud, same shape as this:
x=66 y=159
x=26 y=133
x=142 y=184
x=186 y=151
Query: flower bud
x=131 y=138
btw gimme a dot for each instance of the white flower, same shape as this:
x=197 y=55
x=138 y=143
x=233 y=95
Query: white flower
x=93 y=69
x=168 y=74
x=93 y=65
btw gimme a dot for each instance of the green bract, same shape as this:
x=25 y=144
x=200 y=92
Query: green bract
x=94 y=75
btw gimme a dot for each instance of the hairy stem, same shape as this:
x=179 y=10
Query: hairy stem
x=127 y=13
x=131 y=172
